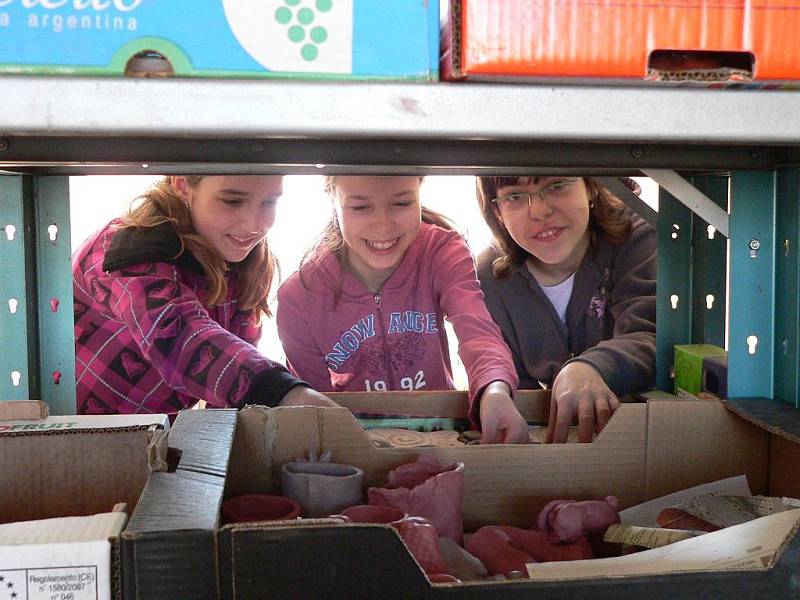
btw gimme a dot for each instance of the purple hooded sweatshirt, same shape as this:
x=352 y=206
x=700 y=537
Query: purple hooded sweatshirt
x=393 y=339
x=144 y=340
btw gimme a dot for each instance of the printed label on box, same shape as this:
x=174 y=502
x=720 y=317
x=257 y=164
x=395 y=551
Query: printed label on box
x=67 y=583
x=83 y=422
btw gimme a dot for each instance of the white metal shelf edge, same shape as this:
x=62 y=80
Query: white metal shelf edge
x=277 y=108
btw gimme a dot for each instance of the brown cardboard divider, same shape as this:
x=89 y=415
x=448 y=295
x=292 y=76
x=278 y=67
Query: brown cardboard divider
x=509 y=480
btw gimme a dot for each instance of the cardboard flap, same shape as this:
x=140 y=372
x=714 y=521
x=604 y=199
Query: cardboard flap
x=770 y=415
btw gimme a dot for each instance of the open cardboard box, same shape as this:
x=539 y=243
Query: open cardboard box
x=60 y=479
x=647 y=450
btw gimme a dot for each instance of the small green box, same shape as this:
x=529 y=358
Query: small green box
x=689 y=365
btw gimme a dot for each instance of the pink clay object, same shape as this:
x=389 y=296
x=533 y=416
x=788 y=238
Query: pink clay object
x=413 y=474
x=259 y=507
x=506 y=550
x=436 y=493
x=543 y=549
x=491 y=545
x=542 y=522
x=567 y=520
x=423 y=542
x=366 y=513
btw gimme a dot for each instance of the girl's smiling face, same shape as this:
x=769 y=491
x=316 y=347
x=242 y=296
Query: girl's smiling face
x=554 y=226
x=232 y=213
x=379 y=217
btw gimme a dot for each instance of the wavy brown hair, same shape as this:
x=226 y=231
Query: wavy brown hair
x=607 y=220
x=254 y=275
x=331 y=240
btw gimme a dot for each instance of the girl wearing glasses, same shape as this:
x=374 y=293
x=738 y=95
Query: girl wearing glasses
x=571 y=281
x=365 y=311
x=169 y=300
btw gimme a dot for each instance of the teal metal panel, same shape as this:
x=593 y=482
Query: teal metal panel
x=673 y=309
x=54 y=275
x=752 y=305
x=14 y=372
x=787 y=287
x=709 y=268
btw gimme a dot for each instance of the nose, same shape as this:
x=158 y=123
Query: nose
x=538 y=207
x=260 y=220
x=384 y=219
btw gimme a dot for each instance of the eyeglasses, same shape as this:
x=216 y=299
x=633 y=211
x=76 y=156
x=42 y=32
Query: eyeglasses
x=522 y=200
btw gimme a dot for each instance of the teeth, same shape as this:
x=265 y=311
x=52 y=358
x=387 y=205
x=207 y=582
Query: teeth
x=382 y=245
x=547 y=234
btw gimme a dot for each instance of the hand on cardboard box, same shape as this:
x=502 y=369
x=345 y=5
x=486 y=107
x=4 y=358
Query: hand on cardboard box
x=501 y=422
x=580 y=390
x=301 y=395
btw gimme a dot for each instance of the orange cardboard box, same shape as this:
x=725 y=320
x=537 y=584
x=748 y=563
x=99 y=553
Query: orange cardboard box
x=701 y=40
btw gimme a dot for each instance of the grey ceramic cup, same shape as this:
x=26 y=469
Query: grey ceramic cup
x=322 y=488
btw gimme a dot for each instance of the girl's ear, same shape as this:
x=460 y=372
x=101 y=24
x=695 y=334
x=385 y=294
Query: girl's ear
x=180 y=185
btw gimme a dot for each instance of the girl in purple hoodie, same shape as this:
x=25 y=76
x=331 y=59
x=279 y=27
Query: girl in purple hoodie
x=365 y=311
x=169 y=299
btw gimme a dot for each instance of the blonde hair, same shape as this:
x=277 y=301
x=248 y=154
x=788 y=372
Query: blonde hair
x=331 y=239
x=254 y=275
x=607 y=219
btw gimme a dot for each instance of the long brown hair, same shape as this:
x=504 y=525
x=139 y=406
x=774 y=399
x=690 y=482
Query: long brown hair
x=254 y=275
x=607 y=219
x=331 y=240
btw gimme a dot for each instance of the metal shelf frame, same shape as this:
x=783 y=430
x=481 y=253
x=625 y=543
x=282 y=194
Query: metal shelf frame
x=740 y=147
x=92 y=125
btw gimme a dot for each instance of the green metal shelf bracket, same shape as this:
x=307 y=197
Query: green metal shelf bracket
x=752 y=267
x=15 y=376
x=787 y=287
x=673 y=307
x=36 y=317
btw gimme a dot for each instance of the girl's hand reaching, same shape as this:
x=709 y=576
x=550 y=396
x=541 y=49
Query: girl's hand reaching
x=501 y=422
x=580 y=390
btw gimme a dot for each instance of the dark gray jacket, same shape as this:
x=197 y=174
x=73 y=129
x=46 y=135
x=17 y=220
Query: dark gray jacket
x=611 y=316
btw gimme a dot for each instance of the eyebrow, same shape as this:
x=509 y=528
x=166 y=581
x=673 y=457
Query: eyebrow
x=362 y=197
x=234 y=192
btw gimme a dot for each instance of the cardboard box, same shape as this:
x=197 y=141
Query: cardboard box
x=708 y=41
x=348 y=39
x=647 y=450
x=67 y=558
x=60 y=478
x=689 y=366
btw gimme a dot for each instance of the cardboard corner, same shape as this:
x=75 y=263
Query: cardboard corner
x=701 y=433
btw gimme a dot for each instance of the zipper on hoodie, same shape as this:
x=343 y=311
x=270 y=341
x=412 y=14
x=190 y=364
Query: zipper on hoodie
x=387 y=362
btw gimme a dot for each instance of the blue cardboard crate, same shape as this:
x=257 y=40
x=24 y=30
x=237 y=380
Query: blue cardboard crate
x=347 y=39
